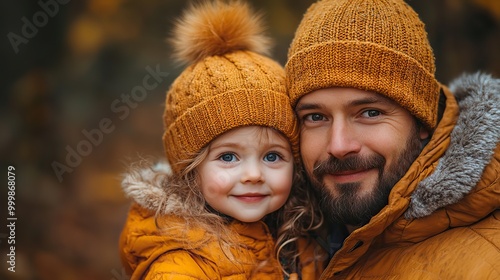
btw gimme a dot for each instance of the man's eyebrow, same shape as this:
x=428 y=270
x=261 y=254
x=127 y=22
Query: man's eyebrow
x=308 y=106
x=366 y=100
x=357 y=102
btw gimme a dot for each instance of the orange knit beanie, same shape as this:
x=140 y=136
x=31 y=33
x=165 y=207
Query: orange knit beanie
x=373 y=45
x=228 y=84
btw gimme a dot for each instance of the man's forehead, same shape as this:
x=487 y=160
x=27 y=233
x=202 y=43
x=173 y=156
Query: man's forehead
x=317 y=98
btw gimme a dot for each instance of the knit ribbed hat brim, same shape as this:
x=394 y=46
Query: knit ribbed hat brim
x=365 y=66
x=202 y=123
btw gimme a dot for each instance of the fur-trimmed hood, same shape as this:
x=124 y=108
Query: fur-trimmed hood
x=472 y=145
x=146 y=186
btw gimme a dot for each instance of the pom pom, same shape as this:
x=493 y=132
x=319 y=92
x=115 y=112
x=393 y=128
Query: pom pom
x=216 y=28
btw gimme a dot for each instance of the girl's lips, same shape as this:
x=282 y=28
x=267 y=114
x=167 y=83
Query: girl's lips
x=250 y=198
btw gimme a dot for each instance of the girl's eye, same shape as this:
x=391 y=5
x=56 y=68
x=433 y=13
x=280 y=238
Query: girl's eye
x=371 y=113
x=228 y=157
x=272 y=157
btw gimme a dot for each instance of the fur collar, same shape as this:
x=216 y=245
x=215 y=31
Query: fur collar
x=473 y=141
x=145 y=185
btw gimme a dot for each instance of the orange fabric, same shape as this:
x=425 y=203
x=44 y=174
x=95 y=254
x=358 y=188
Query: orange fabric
x=148 y=254
x=312 y=259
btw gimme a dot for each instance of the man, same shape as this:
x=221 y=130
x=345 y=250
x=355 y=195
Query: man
x=408 y=171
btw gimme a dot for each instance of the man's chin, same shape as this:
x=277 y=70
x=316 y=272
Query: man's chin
x=352 y=189
x=345 y=203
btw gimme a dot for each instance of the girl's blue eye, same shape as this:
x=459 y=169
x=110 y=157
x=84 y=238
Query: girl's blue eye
x=227 y=157
x=272 y=157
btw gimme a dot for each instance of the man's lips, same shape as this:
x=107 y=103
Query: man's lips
x=347 y=172
x=348 y=176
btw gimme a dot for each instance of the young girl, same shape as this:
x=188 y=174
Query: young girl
x=231 y=141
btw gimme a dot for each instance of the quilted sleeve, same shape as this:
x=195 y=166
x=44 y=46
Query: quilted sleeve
x=181 y=265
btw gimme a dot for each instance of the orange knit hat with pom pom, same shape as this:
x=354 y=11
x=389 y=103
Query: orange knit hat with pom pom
x=228 y=84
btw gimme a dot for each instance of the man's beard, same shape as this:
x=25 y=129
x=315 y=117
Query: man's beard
x=349 y=207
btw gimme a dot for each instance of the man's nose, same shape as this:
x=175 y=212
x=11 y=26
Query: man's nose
x=343 y=139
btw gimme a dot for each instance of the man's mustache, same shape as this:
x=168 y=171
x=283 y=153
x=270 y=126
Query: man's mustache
x=334 y=165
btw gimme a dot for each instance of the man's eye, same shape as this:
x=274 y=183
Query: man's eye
x=371 y=113
x=272 y=157
x=314 y=117
x=228 y=157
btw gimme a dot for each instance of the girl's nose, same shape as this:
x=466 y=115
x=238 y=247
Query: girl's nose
x=252 y=173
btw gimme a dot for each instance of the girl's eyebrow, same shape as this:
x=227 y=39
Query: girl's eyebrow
x=235 y=145
x=225 y=145
x=284 y=145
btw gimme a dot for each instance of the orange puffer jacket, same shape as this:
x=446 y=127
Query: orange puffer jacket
x=442 y=220
x=147 y=253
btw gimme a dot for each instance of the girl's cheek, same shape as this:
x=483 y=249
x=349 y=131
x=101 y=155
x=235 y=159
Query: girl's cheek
x=222 y=178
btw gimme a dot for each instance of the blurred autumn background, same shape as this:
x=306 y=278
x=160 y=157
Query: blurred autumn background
x=69 y=121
